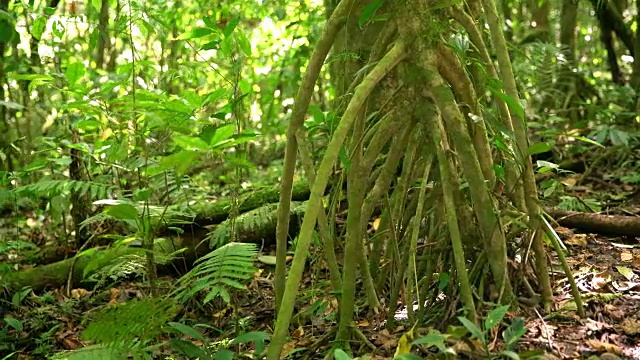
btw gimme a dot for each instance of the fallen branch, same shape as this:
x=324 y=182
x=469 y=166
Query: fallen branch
x=617 y=225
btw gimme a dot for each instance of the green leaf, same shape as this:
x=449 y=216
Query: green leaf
x=244 y=43
x=368 y=12
x=223 y=354
x=513 y=105
x=510 y=354
x=538 y=148
x=188 y=331
x=38 y=27
x=122 y=212
x=187 y=348
x=58 y=29
x=495 y=316
x=189 y=142
x=589 y=141
x=228 y=30
x=210 y=21
x=87 y=124
x=433 y=338
x=75 y=71
x=14 y=323
x=339 y=354
x=252 y=336
x=35 y=165
x=196 y=33
x=179 y=161
x=222 y=133
x=514 y=332
x=7 y=30
x=473 y=328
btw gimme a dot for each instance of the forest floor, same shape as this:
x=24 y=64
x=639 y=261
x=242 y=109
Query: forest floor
x=607 y=272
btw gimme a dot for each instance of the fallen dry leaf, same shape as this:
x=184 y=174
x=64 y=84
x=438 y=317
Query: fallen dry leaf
x=79 y=293
x=603 y=346
x=601 y=280
x=577 y=240
x=297 y=333
x=626 y=256
x=631 y=326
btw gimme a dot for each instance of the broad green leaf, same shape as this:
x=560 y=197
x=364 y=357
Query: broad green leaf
x=510 y=354
x=38 y=27
x=267 y=259
x=223 y=354
x=495 y=316
x=7 y=30
x=13 y=323
x=179 y=162
x=473 y=328
x=207 y=132
x=244 y=43
x=443 y=280
x=252 y=336
x=211 y=45
x=187 y=330
x=339 y=354
x=187 y=348
x=513 y=105
x=142 y=194
x=32 y=77
x=368 y=12
x=223 y=132
x=514 y=332
x=35 y=165
x=210 y=21
x=122 y=212
x=58 y=29
x=538 y=148
x=588 y=141
x=196 y=33
x=433 y=338
x=87 y=124
x=189 y=142
x=228 y=30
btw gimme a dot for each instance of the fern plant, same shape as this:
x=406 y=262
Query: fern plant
x=129 y=329
x=215 y=274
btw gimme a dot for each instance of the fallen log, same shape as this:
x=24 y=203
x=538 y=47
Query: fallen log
x=616 y=225
x=256 y=226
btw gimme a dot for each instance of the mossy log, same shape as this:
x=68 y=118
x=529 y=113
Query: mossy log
x=256 y=224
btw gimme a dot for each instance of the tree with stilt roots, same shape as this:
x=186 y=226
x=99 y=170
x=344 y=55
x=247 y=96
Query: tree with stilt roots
x=422 y=104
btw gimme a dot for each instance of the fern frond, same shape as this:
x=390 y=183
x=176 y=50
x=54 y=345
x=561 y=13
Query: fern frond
x=56 y=187
x=122 y=326
x=226 y=268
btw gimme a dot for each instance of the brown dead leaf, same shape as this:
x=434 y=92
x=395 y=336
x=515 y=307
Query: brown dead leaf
x=603 y=346
x=79 y=293
x=577 y=240
x=631 y=326
x=564 y=232
x=614 y=312
x=626 y=256
x=297 y=333
x=601 y=280
x=570 y=181
x=70 y=343
x=636 y=259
